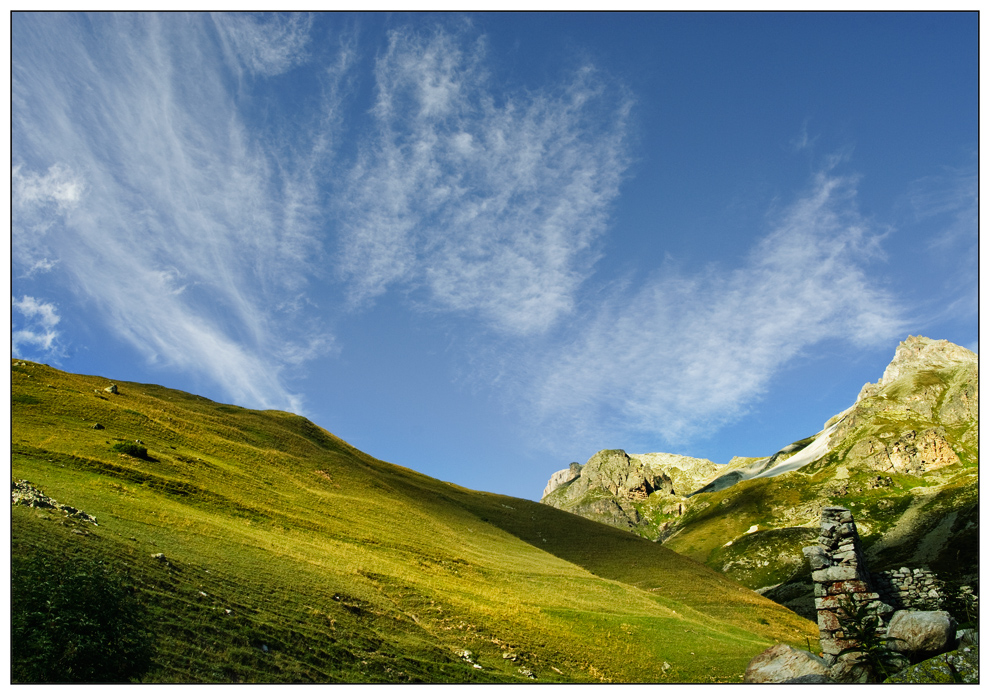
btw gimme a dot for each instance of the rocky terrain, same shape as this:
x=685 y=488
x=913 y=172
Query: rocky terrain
x=904 y=457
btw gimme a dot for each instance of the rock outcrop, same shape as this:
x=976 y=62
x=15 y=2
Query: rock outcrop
x=783 y=663
x=915 y=354
x=612 y=486
x=562 y=477
x=905 y=455
x=911 y=453
x=23 y=492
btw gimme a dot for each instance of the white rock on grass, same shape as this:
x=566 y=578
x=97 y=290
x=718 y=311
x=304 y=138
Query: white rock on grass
x=783 y=662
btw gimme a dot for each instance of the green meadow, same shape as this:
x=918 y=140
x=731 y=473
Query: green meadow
x=290 y=556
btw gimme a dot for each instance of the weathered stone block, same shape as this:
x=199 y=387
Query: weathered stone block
x=836 y=574
x=828 y=621
x=846 y=558
x=835 y=645
x=852 y=586
x=817 y=557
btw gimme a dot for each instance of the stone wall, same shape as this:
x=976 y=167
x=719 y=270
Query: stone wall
x=840 y=575
x=910 y=589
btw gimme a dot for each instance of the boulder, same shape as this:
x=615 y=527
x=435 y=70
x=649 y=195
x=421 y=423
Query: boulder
x=968 y=638
x=783 y=663
x=962 y=666
x=921 y=634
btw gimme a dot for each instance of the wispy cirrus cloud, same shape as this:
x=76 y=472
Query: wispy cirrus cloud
x=946 y=204
x=489 y=202
x=191 y=234
x=688 y=351
x=34 y=333
x=38 y=202
x=952 y=196
x=266 y=45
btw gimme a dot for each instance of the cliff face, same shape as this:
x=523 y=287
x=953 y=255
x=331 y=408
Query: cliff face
x=904 y=457
x=613 y=486
x=924 y=407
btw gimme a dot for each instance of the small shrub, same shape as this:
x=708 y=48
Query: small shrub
x=861 y=626
x=131 y=449
x=75 y=622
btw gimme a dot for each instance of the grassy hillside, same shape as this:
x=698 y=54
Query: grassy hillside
x=291 y=556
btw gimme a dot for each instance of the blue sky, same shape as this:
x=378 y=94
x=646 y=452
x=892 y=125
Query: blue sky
x=483 y=246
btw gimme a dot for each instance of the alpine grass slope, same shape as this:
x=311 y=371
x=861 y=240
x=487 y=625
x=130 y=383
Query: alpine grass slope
x=261 y=548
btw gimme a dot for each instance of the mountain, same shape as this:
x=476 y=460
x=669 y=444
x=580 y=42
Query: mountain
x=904 y=458
x=262 y=548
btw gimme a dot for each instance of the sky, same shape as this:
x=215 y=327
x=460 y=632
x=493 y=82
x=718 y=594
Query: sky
x=483 y=246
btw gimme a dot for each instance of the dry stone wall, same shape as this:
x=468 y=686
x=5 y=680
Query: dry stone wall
x=910 y=589
x=841 y=575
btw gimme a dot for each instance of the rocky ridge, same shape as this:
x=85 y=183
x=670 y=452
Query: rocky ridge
x=904 y=457
x=613 y=485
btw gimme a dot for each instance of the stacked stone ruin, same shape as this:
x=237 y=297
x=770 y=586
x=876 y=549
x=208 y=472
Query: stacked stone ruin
x=840 y=575
x=910 y=589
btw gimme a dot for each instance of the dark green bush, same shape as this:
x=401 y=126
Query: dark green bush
x=131 y=449
x=872 y=649
x=75 y=622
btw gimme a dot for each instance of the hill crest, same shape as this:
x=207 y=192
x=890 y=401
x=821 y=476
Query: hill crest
x=267 y=549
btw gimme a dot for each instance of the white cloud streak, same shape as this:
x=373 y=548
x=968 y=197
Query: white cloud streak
x=491 y=203
x=690 y=351
x=173 y=217
x=266 y=45
x=39 y=202
x=36 y=332
x=947 y=206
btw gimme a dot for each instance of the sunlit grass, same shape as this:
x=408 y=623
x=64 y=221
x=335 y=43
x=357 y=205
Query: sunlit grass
x=291 y=556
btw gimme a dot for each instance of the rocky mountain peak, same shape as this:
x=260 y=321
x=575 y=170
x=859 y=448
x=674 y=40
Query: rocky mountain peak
x=910 y=438
x=611 y=485
x=916 y=354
